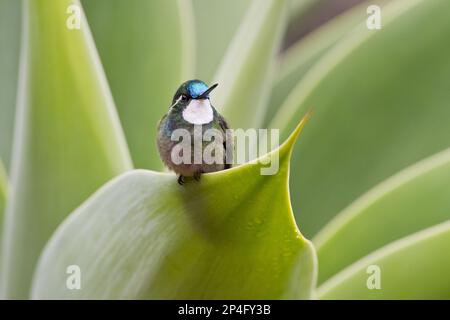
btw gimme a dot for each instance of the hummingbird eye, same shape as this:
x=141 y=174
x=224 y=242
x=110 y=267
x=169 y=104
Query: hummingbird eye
x=184 y=97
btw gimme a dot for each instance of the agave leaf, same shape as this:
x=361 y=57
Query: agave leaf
x=215 y=25
x=147 y=49
x=9 y=65
x=143 y=236
x=68 y=138
x=415 y=267
x=296 y=61
x=246 y=70
x=412 y=200
x=379 y=106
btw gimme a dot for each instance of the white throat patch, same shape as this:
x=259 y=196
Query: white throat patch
x=198 y=112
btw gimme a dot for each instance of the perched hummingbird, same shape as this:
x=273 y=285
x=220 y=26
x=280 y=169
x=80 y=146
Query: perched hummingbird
x=191 y=107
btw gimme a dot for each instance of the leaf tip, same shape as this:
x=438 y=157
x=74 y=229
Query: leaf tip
x=288 y=144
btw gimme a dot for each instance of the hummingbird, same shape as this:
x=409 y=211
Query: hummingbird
x=191 y=107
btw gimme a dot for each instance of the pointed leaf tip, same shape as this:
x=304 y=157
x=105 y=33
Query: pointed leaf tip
x=230 y=236
x=288 y=145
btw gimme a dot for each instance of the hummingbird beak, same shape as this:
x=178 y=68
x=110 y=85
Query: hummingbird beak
x=205 y=94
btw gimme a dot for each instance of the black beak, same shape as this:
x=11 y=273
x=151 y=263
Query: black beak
x=205 y=94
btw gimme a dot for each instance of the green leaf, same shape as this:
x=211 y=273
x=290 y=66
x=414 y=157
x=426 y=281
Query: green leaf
x=296 y=61
x=4 y=188
x=216 y=22
x=147 y=49
x=412 y=200
x=68 y=138
x=143 y=236
x=415 y=267
x=380 y=105
x=245 y=73
x=3 y=198
x=9 y=62
x=3 y=195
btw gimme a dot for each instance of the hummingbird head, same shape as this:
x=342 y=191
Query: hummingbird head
x=192 y=101
x=192 y=90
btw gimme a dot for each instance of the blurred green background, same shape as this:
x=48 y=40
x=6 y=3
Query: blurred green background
x=370 y=171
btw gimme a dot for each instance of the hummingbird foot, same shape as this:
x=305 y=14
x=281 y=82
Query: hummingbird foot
x=180 y=180
x=198 y=175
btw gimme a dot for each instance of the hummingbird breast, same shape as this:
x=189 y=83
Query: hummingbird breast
x=189 y=121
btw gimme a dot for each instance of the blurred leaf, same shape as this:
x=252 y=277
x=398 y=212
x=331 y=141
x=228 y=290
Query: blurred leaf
x=379 y=106
x=215 y=24
x=3 y=196
x=296 y=61
x=414 y=199
x=68 y=140
x=143 y=236
x=212 y=42
x=415 y=267
x=9 y=62
x=246 y=70
x=147 y=48
x=298 y=7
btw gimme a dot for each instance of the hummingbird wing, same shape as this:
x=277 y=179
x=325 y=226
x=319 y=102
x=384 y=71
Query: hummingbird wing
x=228 y=146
